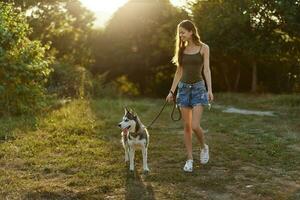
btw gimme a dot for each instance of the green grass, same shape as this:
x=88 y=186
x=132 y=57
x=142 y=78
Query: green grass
x=74 y=152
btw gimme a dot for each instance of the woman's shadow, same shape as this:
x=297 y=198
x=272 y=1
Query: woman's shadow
x=137 y=187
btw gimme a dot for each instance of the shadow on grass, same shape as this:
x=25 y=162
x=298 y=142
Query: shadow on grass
x=295 y=195
x=11 y=127
x=14 y=125
x=64 y=195
x=137 y=188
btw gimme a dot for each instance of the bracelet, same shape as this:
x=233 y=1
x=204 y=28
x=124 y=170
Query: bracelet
x=171 y=92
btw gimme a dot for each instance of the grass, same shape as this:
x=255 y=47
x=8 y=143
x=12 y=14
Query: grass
x=74 y=152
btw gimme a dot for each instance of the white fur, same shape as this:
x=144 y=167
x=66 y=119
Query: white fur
x=133 y=143
x=130 y=147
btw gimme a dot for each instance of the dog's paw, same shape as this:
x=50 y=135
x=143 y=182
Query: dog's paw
x=146 y=172
x=146 y=169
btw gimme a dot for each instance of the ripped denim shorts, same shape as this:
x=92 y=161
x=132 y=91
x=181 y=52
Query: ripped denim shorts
x=190 y=95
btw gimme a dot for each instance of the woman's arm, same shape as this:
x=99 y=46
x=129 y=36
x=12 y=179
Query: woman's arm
x=207 y=72
x=176 y=79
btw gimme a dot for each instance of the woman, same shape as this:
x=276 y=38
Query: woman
x=191 y=58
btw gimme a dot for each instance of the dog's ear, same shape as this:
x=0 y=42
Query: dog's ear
x=133 y=113
x=126 y=110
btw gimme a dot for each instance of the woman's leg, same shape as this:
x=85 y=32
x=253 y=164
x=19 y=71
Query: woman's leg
x=187 y=124
x=196 y=118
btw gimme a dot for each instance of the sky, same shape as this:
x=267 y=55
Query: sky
x=104 y=9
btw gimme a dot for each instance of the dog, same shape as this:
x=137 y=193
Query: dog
x=134 y=136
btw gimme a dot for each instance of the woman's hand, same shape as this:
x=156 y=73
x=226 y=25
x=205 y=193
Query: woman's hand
x=170 y=97
x=210 y=96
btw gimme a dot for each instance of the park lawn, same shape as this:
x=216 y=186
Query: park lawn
x=74 y=152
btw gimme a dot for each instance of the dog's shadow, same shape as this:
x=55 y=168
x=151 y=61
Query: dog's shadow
x=137 y=187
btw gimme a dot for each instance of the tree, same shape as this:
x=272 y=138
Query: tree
x=243 y=35
x=64 y=25
x=139 y=42
x=24 y=67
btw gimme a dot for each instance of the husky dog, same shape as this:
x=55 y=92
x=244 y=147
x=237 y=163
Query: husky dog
x=134 y=135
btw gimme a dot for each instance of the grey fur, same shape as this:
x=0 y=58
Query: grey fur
x=136 y=135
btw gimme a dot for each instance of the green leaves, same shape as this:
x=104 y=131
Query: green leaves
x=247 y=33
x=24 y=66
x=138 y=39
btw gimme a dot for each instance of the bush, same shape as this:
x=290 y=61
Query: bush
x=102 y=88
x=24 y=67
x=70 y=81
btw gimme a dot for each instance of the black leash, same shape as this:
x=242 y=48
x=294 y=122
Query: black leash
x=172 y=113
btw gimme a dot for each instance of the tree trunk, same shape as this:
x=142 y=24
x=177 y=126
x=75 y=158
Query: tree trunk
x=254 y=77
x=237 y=80
x=226 y=79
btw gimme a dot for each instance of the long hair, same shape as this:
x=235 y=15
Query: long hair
x=180 y=45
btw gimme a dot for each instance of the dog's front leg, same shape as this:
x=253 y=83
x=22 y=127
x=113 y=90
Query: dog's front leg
x=131 y=158
x=145 y=163
x=126 y=153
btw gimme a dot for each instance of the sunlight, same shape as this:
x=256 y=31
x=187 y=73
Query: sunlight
x=112 y=5
x=108 y=7
x=178 y=3
x=103 y=11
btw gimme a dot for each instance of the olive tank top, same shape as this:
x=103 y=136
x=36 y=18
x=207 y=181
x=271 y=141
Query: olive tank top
x=192 y=65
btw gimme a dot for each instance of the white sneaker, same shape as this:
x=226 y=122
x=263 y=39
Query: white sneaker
x=188 y=167
x=204 y=154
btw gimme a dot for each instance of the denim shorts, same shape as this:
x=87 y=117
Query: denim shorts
x=190 y=95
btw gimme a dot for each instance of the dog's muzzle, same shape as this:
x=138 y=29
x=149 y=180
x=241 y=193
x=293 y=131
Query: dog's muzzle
x=120 y=126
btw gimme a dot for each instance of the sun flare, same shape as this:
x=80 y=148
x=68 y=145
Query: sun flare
x=109 y=6
x=104 y=9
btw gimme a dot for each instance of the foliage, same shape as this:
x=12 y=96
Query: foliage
x=254 y=45
x=66 y=26
x=139 y=37
x=125 y=86
x=70 y=81
x=24 y=66
x=245 y=34
x=249 y=40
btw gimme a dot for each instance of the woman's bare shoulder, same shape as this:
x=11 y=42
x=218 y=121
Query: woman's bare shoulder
x=204 y=47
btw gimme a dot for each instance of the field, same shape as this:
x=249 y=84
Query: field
x=74 y=152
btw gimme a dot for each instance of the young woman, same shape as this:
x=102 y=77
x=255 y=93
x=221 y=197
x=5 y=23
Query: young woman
x=191 y=58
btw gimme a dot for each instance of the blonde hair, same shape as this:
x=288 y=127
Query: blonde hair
x=180 y=45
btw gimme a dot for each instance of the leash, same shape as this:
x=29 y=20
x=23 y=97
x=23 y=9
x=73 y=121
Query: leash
x=172 y=113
